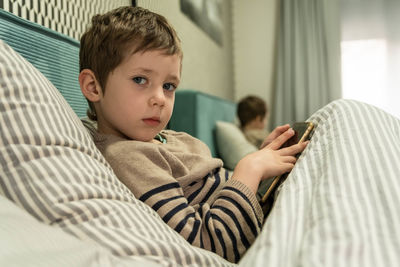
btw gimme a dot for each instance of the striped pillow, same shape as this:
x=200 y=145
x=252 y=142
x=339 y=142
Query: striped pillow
x=51 y=168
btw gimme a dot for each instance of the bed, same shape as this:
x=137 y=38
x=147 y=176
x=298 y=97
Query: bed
x=62 y=205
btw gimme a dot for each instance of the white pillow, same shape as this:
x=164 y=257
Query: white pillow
x=232 y=145
x=50 y=167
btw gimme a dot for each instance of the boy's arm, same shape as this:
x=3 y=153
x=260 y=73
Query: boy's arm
x=227 y=226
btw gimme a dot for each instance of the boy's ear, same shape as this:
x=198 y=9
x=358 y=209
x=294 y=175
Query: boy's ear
x=89 y=86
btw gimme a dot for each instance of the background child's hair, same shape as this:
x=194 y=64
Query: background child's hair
x=121 y=32
x=249 y=108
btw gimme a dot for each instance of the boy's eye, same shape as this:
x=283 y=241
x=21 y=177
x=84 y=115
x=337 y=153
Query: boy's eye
x=169 y=86
x=139 y=80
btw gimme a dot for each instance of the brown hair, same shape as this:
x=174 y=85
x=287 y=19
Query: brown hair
x=108 y=40
x=249 y=108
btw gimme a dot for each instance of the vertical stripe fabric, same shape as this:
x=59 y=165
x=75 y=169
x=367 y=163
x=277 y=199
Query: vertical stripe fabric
x=340 y=206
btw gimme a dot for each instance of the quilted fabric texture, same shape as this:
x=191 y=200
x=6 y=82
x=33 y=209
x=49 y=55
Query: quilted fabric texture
x=343 y=192
x=51 y=169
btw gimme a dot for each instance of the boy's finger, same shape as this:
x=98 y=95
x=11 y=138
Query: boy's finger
x=294 y=149
x=288 y=167
x=274 y=134
x=289 y=159
x=280 y=130
x=281 y=139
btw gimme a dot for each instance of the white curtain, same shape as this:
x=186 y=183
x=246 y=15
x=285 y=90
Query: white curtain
x=308 y=59
x=371 y=52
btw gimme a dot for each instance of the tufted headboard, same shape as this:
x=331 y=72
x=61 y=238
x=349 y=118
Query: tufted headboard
x=196 y=113
x=53 y=54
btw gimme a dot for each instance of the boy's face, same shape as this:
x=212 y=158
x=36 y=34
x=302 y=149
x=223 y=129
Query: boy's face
x=139 y=95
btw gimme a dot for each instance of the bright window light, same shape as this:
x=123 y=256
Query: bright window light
x=364 y=70
x=365 y=74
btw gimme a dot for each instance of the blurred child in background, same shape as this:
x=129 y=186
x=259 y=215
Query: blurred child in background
x=252 y=112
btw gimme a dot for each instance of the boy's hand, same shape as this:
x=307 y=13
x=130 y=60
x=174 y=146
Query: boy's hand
x=274 y=134
x=269 y=161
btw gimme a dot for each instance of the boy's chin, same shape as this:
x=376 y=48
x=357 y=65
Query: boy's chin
x=148 y=138
x=145 y=135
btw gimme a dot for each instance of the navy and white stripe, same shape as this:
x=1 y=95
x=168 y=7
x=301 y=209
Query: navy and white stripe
x=226 y=225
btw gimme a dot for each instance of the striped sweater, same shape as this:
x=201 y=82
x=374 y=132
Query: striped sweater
x=189 y=189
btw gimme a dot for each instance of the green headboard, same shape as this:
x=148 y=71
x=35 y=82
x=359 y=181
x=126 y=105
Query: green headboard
x=53 y=54
x=196 y=113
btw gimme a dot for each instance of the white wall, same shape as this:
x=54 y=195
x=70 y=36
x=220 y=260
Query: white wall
x=254 y=45
x=207 y=67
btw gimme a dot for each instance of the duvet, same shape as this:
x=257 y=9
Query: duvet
x=340 y=206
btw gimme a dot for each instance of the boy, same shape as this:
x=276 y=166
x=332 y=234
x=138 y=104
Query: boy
x=130 y=66
x=252 y=114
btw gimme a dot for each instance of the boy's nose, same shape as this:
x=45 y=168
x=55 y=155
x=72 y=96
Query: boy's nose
x=158 y=97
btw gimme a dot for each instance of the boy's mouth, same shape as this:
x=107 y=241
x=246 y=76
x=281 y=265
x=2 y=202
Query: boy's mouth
x=153 y=121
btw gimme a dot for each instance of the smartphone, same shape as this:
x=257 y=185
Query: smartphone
x=303 y=131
